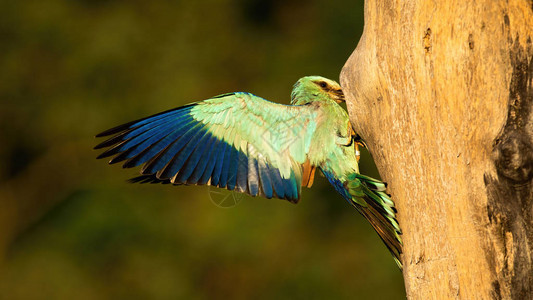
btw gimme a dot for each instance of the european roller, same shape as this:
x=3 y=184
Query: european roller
x=239 y=141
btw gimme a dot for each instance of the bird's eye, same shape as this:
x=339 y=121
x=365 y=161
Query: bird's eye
x=322 y=84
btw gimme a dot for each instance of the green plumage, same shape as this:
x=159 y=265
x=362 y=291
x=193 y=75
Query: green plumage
x=242 y=142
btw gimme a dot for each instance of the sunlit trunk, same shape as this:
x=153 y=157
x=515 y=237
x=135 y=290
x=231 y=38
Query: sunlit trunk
x=442 y=93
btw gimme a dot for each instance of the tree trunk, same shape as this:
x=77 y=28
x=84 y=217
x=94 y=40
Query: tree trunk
x=442 y=93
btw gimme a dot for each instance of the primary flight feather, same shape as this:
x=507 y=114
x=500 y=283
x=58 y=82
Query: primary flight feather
x=242 y=142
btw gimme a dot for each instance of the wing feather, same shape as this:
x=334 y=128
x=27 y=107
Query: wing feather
x=235 y=141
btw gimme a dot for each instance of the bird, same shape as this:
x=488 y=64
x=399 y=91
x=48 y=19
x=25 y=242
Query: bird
x=242 y=142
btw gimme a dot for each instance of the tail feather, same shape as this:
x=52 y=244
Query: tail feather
x=369 y=197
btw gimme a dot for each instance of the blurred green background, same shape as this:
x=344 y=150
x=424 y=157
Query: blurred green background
x=71 y=227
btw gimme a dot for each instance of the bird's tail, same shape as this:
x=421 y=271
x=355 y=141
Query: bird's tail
x=369 y=197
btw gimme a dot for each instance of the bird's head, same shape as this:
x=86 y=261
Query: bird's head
x=316 y=88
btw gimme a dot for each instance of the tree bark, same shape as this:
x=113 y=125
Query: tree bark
x=442 y=93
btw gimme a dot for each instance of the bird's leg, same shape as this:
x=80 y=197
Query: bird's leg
x=344 y=140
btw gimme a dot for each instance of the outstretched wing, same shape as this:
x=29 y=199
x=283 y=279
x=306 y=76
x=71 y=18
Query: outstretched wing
x=235 y=141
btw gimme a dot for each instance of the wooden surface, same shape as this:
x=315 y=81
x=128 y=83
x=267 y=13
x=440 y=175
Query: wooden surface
x=442 y=93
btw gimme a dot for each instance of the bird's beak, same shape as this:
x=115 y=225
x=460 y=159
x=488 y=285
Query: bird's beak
x=339 y=95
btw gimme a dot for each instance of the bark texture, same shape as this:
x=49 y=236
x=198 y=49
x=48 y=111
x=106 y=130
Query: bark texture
x=442 y=93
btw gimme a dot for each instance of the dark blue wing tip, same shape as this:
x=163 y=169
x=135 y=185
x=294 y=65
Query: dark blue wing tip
x=123 y=134
x=128 y=125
